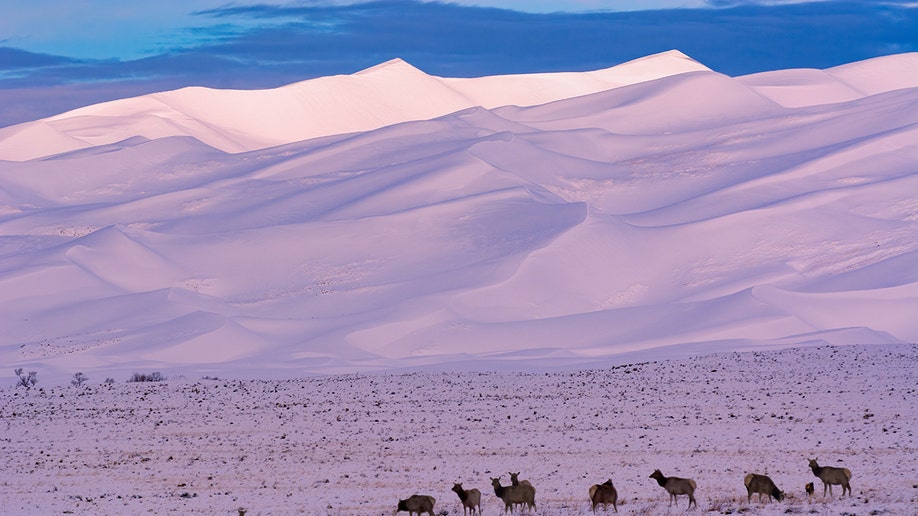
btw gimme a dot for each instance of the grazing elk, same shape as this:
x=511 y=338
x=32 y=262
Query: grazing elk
x=831 y=476
x=809 y=489
x=763 y=485
x=604 y=494
x=676 y=486
x=514 y=495
x=470 y=499
x=417 y=504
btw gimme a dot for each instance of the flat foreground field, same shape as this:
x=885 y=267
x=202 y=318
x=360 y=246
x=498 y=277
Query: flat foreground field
x=355 y=444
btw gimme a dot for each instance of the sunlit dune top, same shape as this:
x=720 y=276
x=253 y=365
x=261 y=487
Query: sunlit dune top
x=541 y=88
x=385 y=94
x=394 y=92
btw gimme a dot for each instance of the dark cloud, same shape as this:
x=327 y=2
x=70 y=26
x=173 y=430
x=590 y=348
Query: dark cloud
x=266 y=46
x=739 y=3
x=13 y=59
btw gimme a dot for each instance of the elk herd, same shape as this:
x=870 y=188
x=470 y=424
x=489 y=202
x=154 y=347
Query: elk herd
x=520 y=493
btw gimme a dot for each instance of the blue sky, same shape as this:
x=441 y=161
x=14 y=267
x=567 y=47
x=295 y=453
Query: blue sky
x=60 y=54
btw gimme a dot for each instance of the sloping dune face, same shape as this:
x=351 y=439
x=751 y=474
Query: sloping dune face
x=807 y=87
x=682 y=213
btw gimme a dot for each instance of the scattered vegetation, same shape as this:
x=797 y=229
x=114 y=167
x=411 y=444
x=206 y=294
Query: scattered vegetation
x=158 y=428
x=155 y=376
x=26 y=380
x=79 y=379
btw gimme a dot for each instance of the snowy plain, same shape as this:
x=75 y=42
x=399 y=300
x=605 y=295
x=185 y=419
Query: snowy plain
x=414 y=240
x=356 y=444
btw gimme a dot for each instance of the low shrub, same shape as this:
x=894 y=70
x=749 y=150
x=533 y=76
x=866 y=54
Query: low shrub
x=155 y=376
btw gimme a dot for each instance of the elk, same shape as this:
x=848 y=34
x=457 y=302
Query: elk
x=416 y=504
x=514 y=495
x=470 y=499
x=763 y=485
x=515 y=480
x=604 y=494
x=676 y=486
x=831 y=476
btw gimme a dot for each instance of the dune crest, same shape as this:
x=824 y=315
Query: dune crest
x=244 y=120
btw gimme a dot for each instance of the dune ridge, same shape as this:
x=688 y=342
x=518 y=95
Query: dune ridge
x=243 y=120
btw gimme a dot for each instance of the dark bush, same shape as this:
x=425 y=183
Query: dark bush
x=79 y=379
x=27 y=380
x=155 y=376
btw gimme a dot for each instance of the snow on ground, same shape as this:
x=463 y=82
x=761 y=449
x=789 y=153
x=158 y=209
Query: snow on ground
x=355 y=444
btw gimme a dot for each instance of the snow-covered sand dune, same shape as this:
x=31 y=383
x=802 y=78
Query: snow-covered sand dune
x=656 y=207
x=240 y=120
x=355 y=444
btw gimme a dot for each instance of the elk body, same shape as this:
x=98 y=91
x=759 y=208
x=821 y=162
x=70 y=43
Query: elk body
x=604 y=494
x=417 y=504
x=831 y=476
x=676 y=486
x=762 y=485
x=514 y=494
x=470 y=499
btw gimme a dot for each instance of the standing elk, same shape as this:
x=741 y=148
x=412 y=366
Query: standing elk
x=470 y=499
x=416 y=504
x=515 y=480
x=514 y=495
x=831 y=476
x=762 y=485
x=676 y=486
x=604 y=494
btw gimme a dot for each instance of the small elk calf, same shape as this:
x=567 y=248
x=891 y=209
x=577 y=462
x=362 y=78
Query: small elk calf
x=470 y=499
x=831 y=476
x=763 y=485
x=416 y=504
x=604 y=494
x=676 y=486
